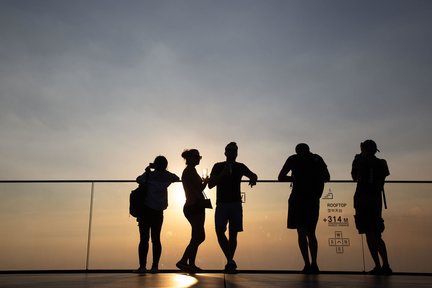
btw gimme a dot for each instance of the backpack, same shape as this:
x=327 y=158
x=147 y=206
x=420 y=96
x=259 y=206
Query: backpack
x=136 y=200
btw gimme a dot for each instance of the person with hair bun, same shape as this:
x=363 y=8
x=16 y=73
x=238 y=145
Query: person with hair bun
x=193 y=186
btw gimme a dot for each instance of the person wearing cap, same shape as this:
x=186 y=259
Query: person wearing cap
x=308 y=174
x=226 y=176
x=157 y=179
x=370 y=172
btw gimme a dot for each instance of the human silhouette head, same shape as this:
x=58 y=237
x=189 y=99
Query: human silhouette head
x=231 y=151
x=302 y=149
x=369 y=147
x=192 y=156
x=160 y=163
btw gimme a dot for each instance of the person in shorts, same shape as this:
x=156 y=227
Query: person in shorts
x=308 y=174
x=370 y=172
x=227 y=176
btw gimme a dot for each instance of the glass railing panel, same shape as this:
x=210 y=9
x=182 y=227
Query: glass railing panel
x=43 y=226
x=267 y=244
x=46 y=226
x=115 y=235
x=408 y=222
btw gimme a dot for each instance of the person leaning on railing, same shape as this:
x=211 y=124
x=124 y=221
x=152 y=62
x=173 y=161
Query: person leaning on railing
x=370 y=172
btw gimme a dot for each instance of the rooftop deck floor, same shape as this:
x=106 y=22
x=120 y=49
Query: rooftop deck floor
x=210 y=280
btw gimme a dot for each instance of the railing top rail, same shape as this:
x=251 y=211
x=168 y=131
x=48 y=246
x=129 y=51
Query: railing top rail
x=133 y=181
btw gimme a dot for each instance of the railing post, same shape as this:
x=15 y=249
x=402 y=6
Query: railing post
x=363 y=253
x=90 y=226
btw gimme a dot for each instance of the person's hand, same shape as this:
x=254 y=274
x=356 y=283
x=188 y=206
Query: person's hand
x=205 y=180
x=253 y=180
x=252 y=183
x=286 y=179
x=148 y=168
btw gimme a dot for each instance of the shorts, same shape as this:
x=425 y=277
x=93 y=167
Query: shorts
x=303 y=213
x=368 y=213
x=368 y=222
x=231 y=213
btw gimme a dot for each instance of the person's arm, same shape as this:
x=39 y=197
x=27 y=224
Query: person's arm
x=283 y=174
x=193 y=182
x=354 y=168
x=326 y=173
x=253 y=178
x=386 y=169
x=142 y=178
x=215 y=175
x=174 y=178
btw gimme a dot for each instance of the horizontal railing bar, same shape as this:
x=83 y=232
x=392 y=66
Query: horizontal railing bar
x=259 y=181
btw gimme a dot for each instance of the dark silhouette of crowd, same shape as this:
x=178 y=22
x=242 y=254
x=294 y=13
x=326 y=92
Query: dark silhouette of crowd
x=308 y=174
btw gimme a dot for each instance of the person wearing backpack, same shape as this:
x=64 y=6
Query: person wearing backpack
x=157 y=179
x=370 y=172
x=308 y=175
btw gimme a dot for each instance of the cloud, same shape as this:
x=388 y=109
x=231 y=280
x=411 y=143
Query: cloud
x=98 y=79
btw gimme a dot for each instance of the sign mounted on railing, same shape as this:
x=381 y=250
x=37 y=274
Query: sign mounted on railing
x=336 y=217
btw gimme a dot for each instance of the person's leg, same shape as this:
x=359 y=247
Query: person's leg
x=156 y=228
x=312 y=222
x=223 y=241
x=198 y=236
x=235 y=226
x=221 y=221
x=313 y=247
x=183 y=262
x=372 y=242
x=144 y=231
x=232 y=244
x=303 y=245
x=382 y=251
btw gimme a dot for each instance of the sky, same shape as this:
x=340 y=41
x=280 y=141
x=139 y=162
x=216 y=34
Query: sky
x=97 y=89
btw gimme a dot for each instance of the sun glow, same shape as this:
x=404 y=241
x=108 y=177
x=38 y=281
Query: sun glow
x=177 y=195
x=183 y=281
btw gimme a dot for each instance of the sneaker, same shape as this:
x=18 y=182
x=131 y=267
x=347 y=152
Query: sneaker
x=386 y=270
x=375 y=271
x=141 y=270
x=154 y=270
x=195 y=269
x=231 y=267
x=183 y=266
x=314 y=269
x=306 y=270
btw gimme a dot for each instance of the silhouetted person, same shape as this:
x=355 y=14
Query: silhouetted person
x=370 y=172
x=193 y=186
x=226 y=176
x=308 y=174
x=157 y=179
